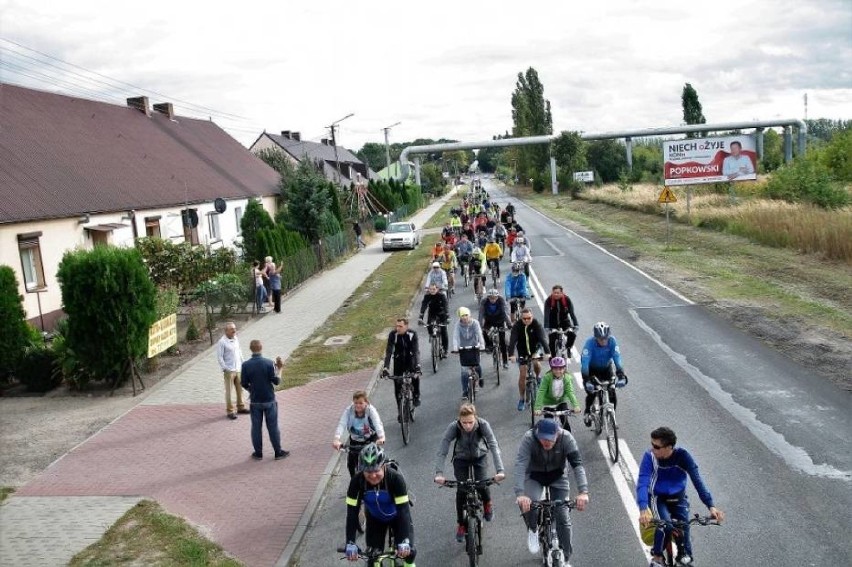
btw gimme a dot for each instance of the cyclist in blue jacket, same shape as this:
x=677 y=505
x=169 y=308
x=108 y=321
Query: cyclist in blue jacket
x=516 y=287
x=661 y=491
x=599 y=354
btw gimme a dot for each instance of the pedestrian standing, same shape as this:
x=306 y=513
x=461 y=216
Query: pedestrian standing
x=230 y=359
x=260 y=376
x=356 y=226
x=268 y=268
x=275 y=284
x=259 y=289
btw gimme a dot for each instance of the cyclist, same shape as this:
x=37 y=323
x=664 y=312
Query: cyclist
x=493 y=253
x=449 y=264
x=437 y=250
x=477 y=269
x=447 y=230
x=521 y=254
x=468 y=333
x=437 y=276
x=405 y=349
x=661 y=491
x=542 y=456
x=557 y=389
x=493 y=312
x=515 y=287
x=599 y=353
x=481 y=237
x=528 y=337
x=510 y=208
x=439 y=313
x=559 y=315
x=464 y=249
x=364 y=425
x=383 y=490
x=455 y=223
x=472 y=439
x=500 y=235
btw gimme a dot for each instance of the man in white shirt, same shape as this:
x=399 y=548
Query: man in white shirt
x=737 y=164
x=230 y=361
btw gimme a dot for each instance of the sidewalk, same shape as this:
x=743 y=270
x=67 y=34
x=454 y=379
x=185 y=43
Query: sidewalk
x=177 y=447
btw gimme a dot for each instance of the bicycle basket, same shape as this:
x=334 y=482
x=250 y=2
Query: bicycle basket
x=647 y=534
x=469 y=357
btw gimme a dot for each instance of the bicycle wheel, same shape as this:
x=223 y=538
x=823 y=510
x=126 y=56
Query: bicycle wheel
x=470 y=540
x=531 y=400
x=406 y=415
x=611 y=435
x=471 y=386
x=597 y=420
x=495 y=359
x=436 y=348
x=466 y=277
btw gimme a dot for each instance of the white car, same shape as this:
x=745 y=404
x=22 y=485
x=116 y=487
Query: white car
x=400 y=235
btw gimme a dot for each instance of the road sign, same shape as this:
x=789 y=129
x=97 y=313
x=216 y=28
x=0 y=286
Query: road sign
x=667 y=196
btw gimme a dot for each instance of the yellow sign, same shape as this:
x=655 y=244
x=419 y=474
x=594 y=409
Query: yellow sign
x=667 y=196
x=162 y=335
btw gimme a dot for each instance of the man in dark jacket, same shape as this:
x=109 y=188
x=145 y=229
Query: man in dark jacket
x=436 y=304
x=559 y=314
x=405 y=349
x=528 y=337
x=493 y=312
x=259 y=376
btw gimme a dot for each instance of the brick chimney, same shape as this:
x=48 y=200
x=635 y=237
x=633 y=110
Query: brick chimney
x=285 y=134
x=140 y=103
x=165 y=108
x=296 y=136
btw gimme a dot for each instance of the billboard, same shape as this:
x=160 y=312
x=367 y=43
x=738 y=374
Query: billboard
x=709 y=160
x=584 y=176
x=162 y=335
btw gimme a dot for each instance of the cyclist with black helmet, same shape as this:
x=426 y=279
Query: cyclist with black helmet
x=557 y=390
x=493 y=312
x=436 y=307
x=599 y=354
x=383 y=491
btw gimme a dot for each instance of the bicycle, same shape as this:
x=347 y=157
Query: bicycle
x=406 y=402
x=469 y=359
x=561 y=414
x=602 y=414
x=552 y=554
x=451 y=283
x=473 y=511
x=561 y=343
x=494 y=338
x=479 y=286
x=355 y=451
x=465 y=268
x=376 y=557
x=435 y=343
x=515 y=306
x=673 y=552
x=531 y=385
x=495 y=272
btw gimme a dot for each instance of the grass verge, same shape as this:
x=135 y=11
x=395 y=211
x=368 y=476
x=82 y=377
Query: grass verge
x=443 y=215
x=5 y=492
x=146 y=535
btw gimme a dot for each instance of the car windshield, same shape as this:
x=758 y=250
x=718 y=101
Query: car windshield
x=399 y=228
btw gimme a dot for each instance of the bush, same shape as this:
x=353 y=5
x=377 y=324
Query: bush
x=67 y=365
x=37 y=370
x=227 y=292
x=15 y=336
x=807 y=180
x=380 y=223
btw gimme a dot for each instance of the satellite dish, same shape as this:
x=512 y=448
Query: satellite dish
x=220 y=205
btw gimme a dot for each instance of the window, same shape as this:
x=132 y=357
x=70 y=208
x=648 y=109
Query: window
x=28 y=245
x=213 y=226
x=190 y=225
x=152 y=227
x=238 y=212
x=99 y=237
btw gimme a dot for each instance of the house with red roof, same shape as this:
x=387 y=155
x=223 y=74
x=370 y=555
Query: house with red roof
x=77 y=173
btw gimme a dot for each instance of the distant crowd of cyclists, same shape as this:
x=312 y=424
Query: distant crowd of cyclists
x=478 y=236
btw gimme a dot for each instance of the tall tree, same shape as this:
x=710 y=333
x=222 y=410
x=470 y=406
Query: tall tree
x=307 y=201
x=692 y=113
x=531 y=116
x=373 y=154
x=254 y=219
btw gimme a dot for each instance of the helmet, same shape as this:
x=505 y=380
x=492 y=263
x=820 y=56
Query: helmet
x=519 y=239
x=558 y=362
x=493 y=292
x=601 y=330
x=516 y=267
x=463 y=311
x=372 y=458
x=436 y=264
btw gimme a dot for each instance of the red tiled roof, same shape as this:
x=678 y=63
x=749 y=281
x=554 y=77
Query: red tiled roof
x=62 y=156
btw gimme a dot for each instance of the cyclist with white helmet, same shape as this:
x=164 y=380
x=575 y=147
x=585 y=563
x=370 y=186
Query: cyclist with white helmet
x=384 y=492
x=468 y=333
x=599 y=354
x=557 y=390
x=436 y=276
x=521 y=254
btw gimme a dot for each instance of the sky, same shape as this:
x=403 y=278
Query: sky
x=441 y=69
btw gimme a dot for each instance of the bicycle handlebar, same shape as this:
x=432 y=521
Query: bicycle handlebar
x=469 y=484
x=551 y=411
x=697 y=519
x=553 y=504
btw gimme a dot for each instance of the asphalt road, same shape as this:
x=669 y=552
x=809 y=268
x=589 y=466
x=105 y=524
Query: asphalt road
x=772 y=440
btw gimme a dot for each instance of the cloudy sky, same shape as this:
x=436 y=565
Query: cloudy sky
x=441 y=68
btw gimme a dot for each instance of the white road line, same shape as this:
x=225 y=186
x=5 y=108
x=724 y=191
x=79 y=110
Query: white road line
x=608 y=253
x=555 y=249
x=628 y=496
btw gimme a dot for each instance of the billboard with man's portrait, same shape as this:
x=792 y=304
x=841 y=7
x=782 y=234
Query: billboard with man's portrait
x=709 y=160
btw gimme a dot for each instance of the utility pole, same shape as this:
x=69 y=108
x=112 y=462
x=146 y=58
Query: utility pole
x=333 y=127
x=387 y=145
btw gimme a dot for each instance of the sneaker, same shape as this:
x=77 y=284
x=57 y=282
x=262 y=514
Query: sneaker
x=417 y=402
x=282 y=454
x=256 y=456
x=488 y=511
x=460 y=533
x=481 y=383
x=655 y=564
x=505 y=366
x=587 y=419
x=683 y=559
x=243 y=410
x=532 y=542
x=521 y=405
x=232 y=416
x=464 y=395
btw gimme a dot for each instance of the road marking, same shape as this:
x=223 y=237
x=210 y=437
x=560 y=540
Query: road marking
x=553 y=246
x=621 y=473
x=796 y=457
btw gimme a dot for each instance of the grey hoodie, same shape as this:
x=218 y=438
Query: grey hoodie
x=469 y=445
x=533 y=458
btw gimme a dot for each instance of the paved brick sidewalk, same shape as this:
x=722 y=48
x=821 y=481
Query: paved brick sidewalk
x=177 y=448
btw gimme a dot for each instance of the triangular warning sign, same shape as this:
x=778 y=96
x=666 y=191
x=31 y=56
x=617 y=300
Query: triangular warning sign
x=667 y=196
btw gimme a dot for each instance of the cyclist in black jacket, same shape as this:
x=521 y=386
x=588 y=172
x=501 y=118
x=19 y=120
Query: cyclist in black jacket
x=405 y=350
x=559 y=314
x=438 y=313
